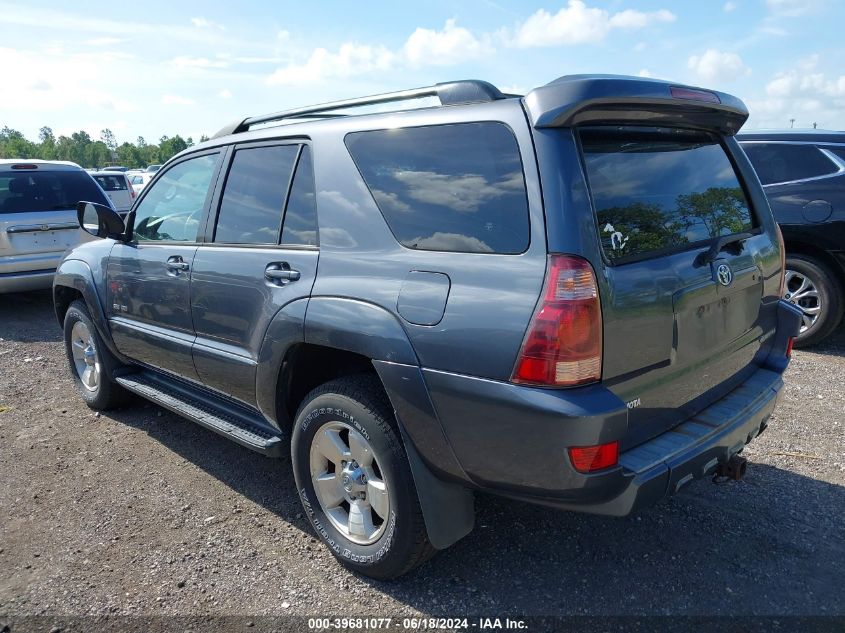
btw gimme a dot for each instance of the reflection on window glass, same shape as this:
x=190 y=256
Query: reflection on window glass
x=301 y=214
x=173 y=207
x=447 y=187
x=660 y=190
x=254 y=197
x=776 y=162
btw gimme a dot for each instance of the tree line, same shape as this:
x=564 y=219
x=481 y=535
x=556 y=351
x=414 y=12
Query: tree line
x=80 y=148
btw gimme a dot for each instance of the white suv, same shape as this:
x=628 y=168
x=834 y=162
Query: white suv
x=38 y=218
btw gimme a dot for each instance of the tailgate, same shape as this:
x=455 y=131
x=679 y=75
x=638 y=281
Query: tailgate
x=685 y=262
x=38 y=232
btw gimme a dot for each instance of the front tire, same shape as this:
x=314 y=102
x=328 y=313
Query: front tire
x=811 y=286
x=90 y=361
x=354 y=480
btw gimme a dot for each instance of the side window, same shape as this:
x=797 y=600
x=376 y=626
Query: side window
x=779 y=162
x=173 y=207
x=254 y=197
x=457 y=187
x=301 y=214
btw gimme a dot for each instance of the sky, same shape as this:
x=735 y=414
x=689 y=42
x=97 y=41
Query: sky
x=156 y=68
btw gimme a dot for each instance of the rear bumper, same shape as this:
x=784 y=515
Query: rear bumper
x=26 y=281
x=512 y=440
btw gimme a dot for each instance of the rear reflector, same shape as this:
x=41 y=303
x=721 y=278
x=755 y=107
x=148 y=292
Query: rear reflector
x=24 y=166
x=789 y=344
x=694 y=95
x=563 y=344
x=586 y=459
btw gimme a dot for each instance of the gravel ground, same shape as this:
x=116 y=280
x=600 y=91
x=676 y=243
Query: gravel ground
x=142 y=512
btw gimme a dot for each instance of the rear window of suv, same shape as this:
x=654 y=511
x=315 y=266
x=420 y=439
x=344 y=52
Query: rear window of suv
x=456 y=187
x=24 y=190
x=111 y=183
x=657 y=191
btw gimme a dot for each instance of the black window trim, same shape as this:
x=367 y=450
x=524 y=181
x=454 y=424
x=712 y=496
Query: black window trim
x=439 y=124
x=223 y=176
x=756 y=229
x=212 y=187
x=837 y=161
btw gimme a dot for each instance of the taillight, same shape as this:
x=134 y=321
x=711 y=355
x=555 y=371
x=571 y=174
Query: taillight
x=782 y=259
x=563 y=344
x=789 y=344
x=586 y=459
x=131 y=189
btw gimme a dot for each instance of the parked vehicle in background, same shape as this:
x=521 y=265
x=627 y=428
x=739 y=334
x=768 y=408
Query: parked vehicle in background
x=152 y=168
x=570 y=298
x=114 y=168
x=117 y=187
x=803 y=175
x=139 y=181
x=38 y=221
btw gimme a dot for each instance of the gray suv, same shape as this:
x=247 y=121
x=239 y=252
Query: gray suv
x=570 y=297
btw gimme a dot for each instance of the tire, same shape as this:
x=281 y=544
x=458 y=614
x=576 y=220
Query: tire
x=393 y=540
x=812 y=286
x=90 y=361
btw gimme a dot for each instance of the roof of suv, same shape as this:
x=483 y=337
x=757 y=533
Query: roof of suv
x=808 y=136
x=568 y=100
x=8 y=164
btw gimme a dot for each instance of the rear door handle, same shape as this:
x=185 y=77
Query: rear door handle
x=176 y=263
x=281 y=273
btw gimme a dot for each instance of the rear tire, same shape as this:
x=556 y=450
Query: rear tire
x=812 y=287
x=90 y=361
x=366 y=510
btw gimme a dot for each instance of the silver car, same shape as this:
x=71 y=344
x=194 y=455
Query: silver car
x=117 y=187
x=38 y=218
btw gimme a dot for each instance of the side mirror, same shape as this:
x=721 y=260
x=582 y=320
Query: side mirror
x=99 y=220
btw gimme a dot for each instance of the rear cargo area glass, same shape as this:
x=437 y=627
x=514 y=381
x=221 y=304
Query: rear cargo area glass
x=657 y=191
x=24 y=191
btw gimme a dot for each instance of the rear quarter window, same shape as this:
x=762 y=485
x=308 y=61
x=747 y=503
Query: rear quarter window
x=658 y=191
x=457 y=187
x=781 y=162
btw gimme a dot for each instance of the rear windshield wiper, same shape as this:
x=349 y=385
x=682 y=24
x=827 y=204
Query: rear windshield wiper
x=713 y=252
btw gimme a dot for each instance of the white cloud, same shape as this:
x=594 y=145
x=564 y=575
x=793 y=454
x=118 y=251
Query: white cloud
x=716 y=65
x=350 y=59
x=640 y=46
x=645 y=72
x=792 y=8
x=103 y=41
x=225 y=94
x=203 y=23
x=803 y=94
x=176 y=100
x=452 y=45
x=57 y=81
x=577 y=23
x=198 y=62
x=729 y=6
x=631 y=19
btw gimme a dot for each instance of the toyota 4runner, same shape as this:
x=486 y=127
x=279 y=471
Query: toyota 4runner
x=570 y=297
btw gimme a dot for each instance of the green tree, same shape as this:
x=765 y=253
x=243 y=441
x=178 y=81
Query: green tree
x=47 y=143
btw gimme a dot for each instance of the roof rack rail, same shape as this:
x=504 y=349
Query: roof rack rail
x=449 y=93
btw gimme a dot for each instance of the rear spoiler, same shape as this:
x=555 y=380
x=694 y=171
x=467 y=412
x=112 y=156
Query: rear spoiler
x=591 y=99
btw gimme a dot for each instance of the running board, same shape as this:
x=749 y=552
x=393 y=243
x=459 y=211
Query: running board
x=215 y=414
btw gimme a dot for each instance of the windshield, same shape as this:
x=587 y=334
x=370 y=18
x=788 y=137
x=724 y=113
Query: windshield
x=25 y=191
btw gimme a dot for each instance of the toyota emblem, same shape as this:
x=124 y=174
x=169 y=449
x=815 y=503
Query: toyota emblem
x=724 y=274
